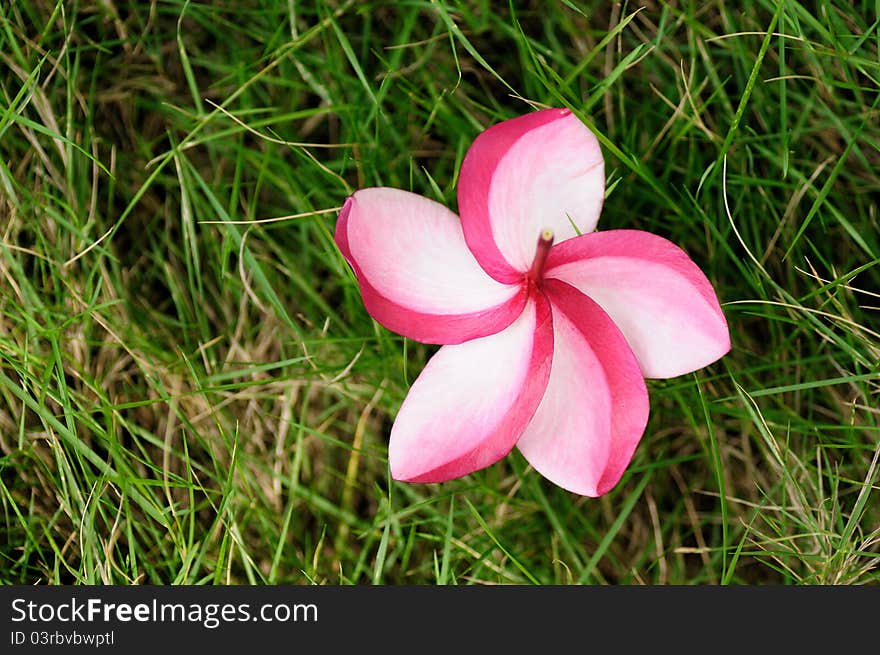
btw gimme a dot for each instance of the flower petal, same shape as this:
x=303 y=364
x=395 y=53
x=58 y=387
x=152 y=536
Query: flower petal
x=541 y=170
x=416 y=274
x=471 y=402
x=657 y=296
x=596 y=405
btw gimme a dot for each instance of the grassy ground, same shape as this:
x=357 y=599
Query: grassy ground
x=192 y=392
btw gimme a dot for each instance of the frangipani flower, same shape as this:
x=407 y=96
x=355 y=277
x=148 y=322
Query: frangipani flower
x=547 y=335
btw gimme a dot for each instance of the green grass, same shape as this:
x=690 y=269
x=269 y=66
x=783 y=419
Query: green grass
x=189 y=394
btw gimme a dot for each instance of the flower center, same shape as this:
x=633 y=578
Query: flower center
x=545 y=241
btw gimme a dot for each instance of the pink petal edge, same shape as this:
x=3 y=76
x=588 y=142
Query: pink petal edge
x=416 y=275
x=520 y=176
x=658 y=297
x=595 y=408
x=472 y=401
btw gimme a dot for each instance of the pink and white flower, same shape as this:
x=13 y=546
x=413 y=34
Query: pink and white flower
x=547 y=335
